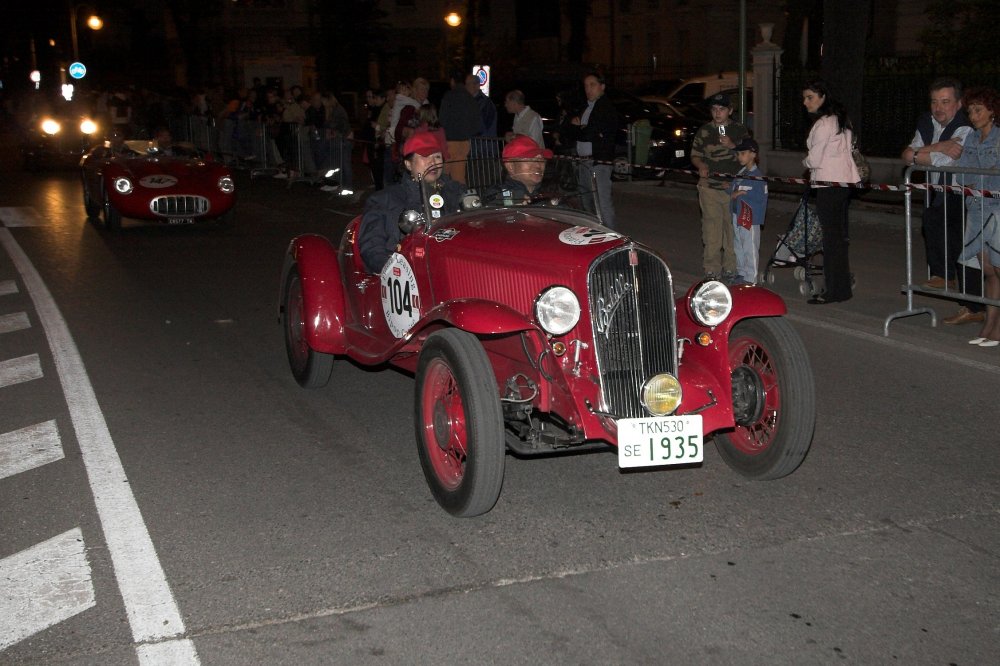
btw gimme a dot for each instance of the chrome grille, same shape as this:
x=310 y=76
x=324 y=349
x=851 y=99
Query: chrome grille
x=632 y=315
x=179 y=205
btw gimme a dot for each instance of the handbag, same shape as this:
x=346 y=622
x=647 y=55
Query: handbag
x=861 y=162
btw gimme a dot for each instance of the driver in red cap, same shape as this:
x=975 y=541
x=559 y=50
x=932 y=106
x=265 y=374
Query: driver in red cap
x=379 y=234
x=524 y=161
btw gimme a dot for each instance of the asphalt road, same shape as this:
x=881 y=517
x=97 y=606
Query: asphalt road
x=295 y=527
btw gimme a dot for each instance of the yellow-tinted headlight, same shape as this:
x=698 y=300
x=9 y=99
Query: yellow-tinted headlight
x=50 y=126
x=88 y=126
x=661 y=394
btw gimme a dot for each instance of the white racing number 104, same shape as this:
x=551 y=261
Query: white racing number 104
x=400 y=296
x=660 y=440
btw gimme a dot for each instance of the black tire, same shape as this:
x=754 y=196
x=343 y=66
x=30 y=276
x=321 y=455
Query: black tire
x=112 y=218
x=310 y=368
x=459 y=423
x=92 y=206
x=774 y=400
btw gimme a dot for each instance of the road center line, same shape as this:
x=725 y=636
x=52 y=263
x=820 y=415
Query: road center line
x=152 y=611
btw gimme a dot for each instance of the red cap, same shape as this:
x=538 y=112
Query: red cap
x=422 y=143
x=523 y=147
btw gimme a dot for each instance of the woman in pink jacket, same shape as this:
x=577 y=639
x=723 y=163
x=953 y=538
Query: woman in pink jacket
x=829 y=160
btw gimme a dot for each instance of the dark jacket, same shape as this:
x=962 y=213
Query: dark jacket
x=601 y=129
x=379 y=232
x=459 y=115
x=508 y=193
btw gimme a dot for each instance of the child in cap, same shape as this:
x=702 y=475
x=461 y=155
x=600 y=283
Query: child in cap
x=748 y=204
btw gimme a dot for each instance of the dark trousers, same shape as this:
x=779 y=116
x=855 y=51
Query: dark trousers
x=942 y=227
x=831 y=204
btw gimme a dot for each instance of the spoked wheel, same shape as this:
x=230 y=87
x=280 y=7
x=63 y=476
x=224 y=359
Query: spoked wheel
x=774 y=400
x=459 y=423
x=310 y=368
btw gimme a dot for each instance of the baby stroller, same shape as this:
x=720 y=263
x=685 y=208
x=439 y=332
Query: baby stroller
x=799 y=248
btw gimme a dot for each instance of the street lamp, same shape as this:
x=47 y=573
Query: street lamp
x=94 y=22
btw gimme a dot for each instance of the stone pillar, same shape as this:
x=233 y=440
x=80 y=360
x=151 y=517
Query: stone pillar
x=766 y=58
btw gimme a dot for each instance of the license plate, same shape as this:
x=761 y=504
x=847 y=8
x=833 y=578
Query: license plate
x=660 y=440
x=180 y=220
x=678 y=153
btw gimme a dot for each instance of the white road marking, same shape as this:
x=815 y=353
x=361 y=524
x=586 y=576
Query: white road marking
x=28 y=448
x=7 y=287
x=44 y=585
x=955 y=359
x=21 y=216
x=15 y=321
x=152 y=611
x=21 y=369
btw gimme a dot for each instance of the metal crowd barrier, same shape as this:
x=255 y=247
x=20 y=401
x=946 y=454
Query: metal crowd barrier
x=971 y=280
x=304 y=153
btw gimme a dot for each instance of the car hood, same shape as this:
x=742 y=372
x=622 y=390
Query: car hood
x=179 y=168
x=510 y=255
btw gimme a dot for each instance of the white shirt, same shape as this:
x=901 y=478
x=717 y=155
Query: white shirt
x=529 y=123
x=940 y=159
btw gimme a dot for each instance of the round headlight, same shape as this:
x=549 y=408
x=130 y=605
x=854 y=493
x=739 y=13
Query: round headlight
x=88 y=126
x=123 y=185
x=661 y=394
x=557 y=310
x=711 y=303
x=50 y=126
x=226 y=184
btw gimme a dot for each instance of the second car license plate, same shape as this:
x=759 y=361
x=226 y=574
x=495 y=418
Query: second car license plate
x=660 y=440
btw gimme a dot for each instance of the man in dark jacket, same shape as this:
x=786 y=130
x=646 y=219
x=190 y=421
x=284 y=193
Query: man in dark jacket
x=938 y=141
x=379 y=233
x=595 y=141
x=461 y=121
x=524 y=161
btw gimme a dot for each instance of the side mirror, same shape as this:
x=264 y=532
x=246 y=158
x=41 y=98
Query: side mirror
x=410 y=220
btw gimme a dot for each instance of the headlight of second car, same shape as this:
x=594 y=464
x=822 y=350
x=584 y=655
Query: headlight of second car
x=226 y=184
x=50 y=126
x=711 y=303
x=557 y=310
x=123 y=185
x=88 y=126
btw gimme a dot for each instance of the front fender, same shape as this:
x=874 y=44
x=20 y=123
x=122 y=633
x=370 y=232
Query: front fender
x=480 y=317
x=322 y=291
x=709 y=367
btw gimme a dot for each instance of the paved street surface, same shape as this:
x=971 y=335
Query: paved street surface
x=145 y=400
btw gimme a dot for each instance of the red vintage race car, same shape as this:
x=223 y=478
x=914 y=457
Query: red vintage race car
x=535 y=329
x=138 y=180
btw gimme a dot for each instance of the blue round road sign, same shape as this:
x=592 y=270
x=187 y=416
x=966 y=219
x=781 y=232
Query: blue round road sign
x=77 y=70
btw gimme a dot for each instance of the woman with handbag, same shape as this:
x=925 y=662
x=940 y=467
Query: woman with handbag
x=830 y=143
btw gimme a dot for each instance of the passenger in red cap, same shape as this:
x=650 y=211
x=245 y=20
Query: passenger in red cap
x=379 y=234
x=524 y=161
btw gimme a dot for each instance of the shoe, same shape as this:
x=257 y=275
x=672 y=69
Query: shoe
x=938 y=283
x=823 y=300
x=977 y=341
x=711 y=276
x=964 y=316
x=990 y=343
x=329 y=188
x=280 y=174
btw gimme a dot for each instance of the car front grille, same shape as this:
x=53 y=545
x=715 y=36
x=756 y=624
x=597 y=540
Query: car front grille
x=179 y=205
x=632 y=315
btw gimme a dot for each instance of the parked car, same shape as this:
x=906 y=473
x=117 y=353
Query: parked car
x=535 y=330
x=58 y=140
x=140 y=181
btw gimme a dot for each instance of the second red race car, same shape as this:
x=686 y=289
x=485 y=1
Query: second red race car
x=141 y=180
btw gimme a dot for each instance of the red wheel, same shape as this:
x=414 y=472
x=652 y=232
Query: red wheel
x=774 y=403
x=459 y=423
